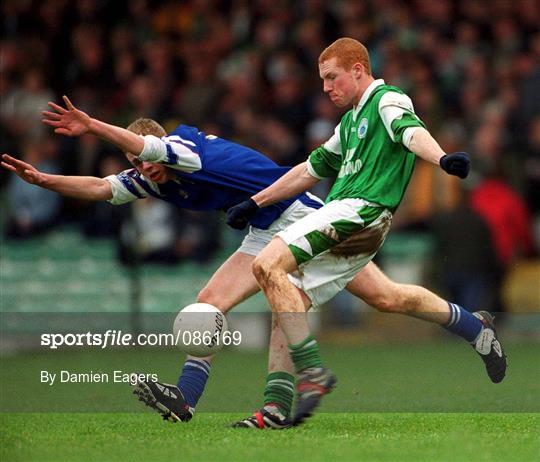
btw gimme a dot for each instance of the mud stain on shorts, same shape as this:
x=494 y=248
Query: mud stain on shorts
x=364 y=242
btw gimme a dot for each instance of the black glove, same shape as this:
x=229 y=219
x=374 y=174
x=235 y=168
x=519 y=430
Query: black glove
x=457 y=163
x=238 y=216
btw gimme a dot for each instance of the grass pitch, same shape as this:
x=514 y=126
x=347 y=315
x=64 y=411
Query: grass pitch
x=430 y=402
x=368 y=437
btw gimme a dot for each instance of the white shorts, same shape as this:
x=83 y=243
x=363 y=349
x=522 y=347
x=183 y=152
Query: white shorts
x=257 y=239
x=332 y=244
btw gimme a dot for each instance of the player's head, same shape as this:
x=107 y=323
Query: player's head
x=147 y=127
x=156 y=172
x=346 y=72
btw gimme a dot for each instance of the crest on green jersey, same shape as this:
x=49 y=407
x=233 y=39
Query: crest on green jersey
x=362 y=128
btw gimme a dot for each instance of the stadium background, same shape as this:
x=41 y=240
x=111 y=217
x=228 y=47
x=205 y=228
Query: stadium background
x=247 y=71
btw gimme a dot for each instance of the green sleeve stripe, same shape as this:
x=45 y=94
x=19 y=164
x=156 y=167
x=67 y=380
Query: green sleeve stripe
x=312 y=171
x=324 y=163
x=407 y=120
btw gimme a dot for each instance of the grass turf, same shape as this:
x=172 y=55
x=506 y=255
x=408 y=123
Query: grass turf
x=380 y=437
x=409 y=402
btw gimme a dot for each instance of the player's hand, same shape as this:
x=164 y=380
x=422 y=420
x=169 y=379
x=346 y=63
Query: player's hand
x=457 y=163
x=68 y=121
x=238 y=216
x=27 y=172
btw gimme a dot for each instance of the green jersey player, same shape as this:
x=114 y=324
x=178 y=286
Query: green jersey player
x=371 y=156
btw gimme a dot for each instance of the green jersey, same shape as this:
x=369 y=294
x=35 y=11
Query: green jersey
x=368 y=153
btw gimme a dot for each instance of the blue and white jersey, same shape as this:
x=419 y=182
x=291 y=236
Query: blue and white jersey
x=211 y=174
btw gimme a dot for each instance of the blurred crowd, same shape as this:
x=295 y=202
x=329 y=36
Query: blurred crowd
x=247 y=70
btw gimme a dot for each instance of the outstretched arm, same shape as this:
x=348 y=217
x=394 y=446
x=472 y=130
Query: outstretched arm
x=425 y=146
x=70 y=121
x=80 y=187
x=295 y=181
x=402 y=124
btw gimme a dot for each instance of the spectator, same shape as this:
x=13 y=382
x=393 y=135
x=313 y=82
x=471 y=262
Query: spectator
x=465 y=257
x=20 y=108
x=159 y=233
x=33 y=210
x=532 y=168
x=508 y=217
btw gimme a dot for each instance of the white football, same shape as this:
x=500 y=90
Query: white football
x=198 y=329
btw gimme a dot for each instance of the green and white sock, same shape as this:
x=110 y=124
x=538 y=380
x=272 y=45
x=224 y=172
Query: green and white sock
x=279 y=391
x=306 y=354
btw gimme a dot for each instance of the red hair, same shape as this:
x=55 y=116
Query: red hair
x=348 y=52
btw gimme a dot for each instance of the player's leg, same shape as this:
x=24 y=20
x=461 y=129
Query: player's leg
x=271 y=270
x=383 y=294
x=343 y=233
x=232 y=283
x=377 y=290
x=279 y=389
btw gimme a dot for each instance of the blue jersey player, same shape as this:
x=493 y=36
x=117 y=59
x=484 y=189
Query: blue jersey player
x=204 y=172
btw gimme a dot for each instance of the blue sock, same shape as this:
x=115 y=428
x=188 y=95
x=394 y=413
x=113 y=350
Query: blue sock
x=193 y=379
x=463 y=323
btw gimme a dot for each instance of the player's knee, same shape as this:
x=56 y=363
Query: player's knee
x=388 y=301
x=262 y=269
x=394 y=300
x=207 y=295
x=383 y=303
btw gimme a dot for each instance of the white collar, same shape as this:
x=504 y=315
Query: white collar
x=366 y=95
